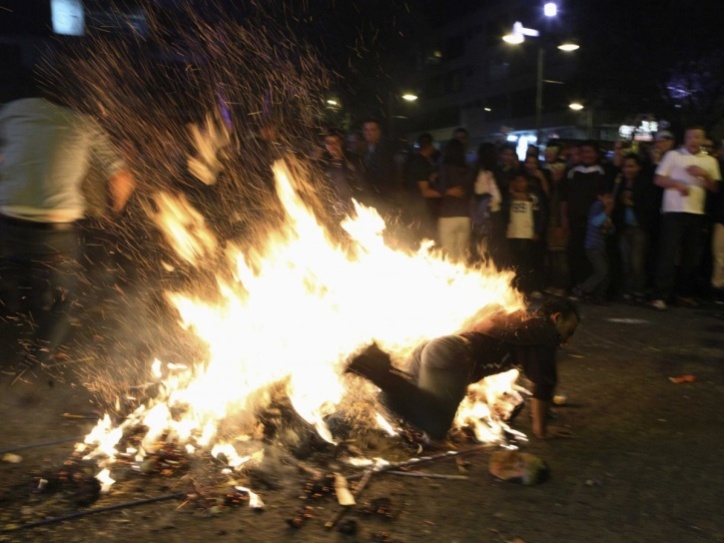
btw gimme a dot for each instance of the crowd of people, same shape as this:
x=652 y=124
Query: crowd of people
x=569 y=221
x=642 y=222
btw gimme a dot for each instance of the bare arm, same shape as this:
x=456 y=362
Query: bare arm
x=427 y=191
x=539 y=409
x=120 y=188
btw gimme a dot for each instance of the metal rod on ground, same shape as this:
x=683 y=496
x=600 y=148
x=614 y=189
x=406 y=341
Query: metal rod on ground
x=41 y=444
x=87 y=512
x=429 y=475
x=414 y=461
x=331 y=523
x=368 y=473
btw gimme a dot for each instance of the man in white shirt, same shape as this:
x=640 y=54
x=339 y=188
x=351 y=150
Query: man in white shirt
x=47 y=152
x=685 y=174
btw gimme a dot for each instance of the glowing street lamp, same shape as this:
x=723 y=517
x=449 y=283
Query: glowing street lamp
x=392 y=101
x=550 y=9
x=578 y=106
x=516 y=37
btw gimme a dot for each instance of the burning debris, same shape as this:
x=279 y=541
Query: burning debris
x=277 y=299
x=518 y=467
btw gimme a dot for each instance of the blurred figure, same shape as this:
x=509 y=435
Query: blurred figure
x=463 y=136
x=455 y=184
x=537 y=176
x=634 y=216
x=579 y=191
x=526 y=225
x=344 y=173
x=48 y=150
x=486 y=214
x=354 y=144
x=686 y=175
x=599 y=226
x=509 y=166
x=556 y=260
x=379 y=168
x=664 y=142
x=423 y=201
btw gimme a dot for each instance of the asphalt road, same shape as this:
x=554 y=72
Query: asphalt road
x=644 y=463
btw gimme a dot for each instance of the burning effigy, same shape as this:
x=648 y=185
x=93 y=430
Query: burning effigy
x=275 y=294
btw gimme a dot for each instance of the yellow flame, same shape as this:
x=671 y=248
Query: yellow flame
x=294 y=313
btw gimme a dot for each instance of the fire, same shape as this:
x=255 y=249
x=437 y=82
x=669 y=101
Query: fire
x=292 y=313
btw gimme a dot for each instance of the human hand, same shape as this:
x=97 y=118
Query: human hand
x=696 y=171
x=683 y=188
x=455 y=192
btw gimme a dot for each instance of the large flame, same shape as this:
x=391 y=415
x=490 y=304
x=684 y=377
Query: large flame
x=293 y=313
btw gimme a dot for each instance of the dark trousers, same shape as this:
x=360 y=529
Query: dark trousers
x=39 y=271
x=597 y=282
x=682 y=236
x=633 y=243
x=578 y=263
x=557 y=270
x=525 y=260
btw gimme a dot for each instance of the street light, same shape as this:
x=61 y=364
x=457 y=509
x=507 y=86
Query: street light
x=577 y=106
x=516 y=37
x=392 y=100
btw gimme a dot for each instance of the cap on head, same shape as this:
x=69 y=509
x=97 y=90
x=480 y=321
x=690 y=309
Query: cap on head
x=664 y=135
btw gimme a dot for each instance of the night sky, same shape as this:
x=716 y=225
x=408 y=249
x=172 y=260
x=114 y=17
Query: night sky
x=635 y=56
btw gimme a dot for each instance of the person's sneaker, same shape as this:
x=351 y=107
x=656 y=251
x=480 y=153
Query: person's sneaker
x=719 y=296
x=372 y=363
x=659 y=305
x=685 y=301
x=575 y=295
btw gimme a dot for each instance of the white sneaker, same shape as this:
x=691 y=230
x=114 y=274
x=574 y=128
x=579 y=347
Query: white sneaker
x=659 y=305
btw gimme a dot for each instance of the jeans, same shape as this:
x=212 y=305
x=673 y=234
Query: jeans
x=681 y=235
x=633 y=245
x=443 y=366
x=717 y=251
x=39 y=273
x=597 y=282
x=454 y=236
x=578 y=263
x=557 y=270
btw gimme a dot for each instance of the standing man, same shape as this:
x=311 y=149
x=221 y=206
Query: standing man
x=380 y=171
x=423 y=201
x=48 y=150
x=686 y=175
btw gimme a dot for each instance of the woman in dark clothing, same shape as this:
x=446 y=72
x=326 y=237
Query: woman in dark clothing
x=634 y=216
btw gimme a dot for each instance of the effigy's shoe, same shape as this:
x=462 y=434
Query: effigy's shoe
x=372 y=363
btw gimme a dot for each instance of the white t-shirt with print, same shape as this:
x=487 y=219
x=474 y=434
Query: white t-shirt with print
x=520 y=224
x=674 y=166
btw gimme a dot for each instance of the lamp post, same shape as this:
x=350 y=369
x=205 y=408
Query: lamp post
x=577 y=106
x=516 y=37
x=407 y=97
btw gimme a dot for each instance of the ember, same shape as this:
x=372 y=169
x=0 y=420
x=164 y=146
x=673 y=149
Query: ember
x=276 y=301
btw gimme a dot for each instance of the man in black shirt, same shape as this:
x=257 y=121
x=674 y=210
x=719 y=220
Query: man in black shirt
x=441 y=369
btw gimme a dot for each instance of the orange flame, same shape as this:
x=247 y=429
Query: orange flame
x=293 y=314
